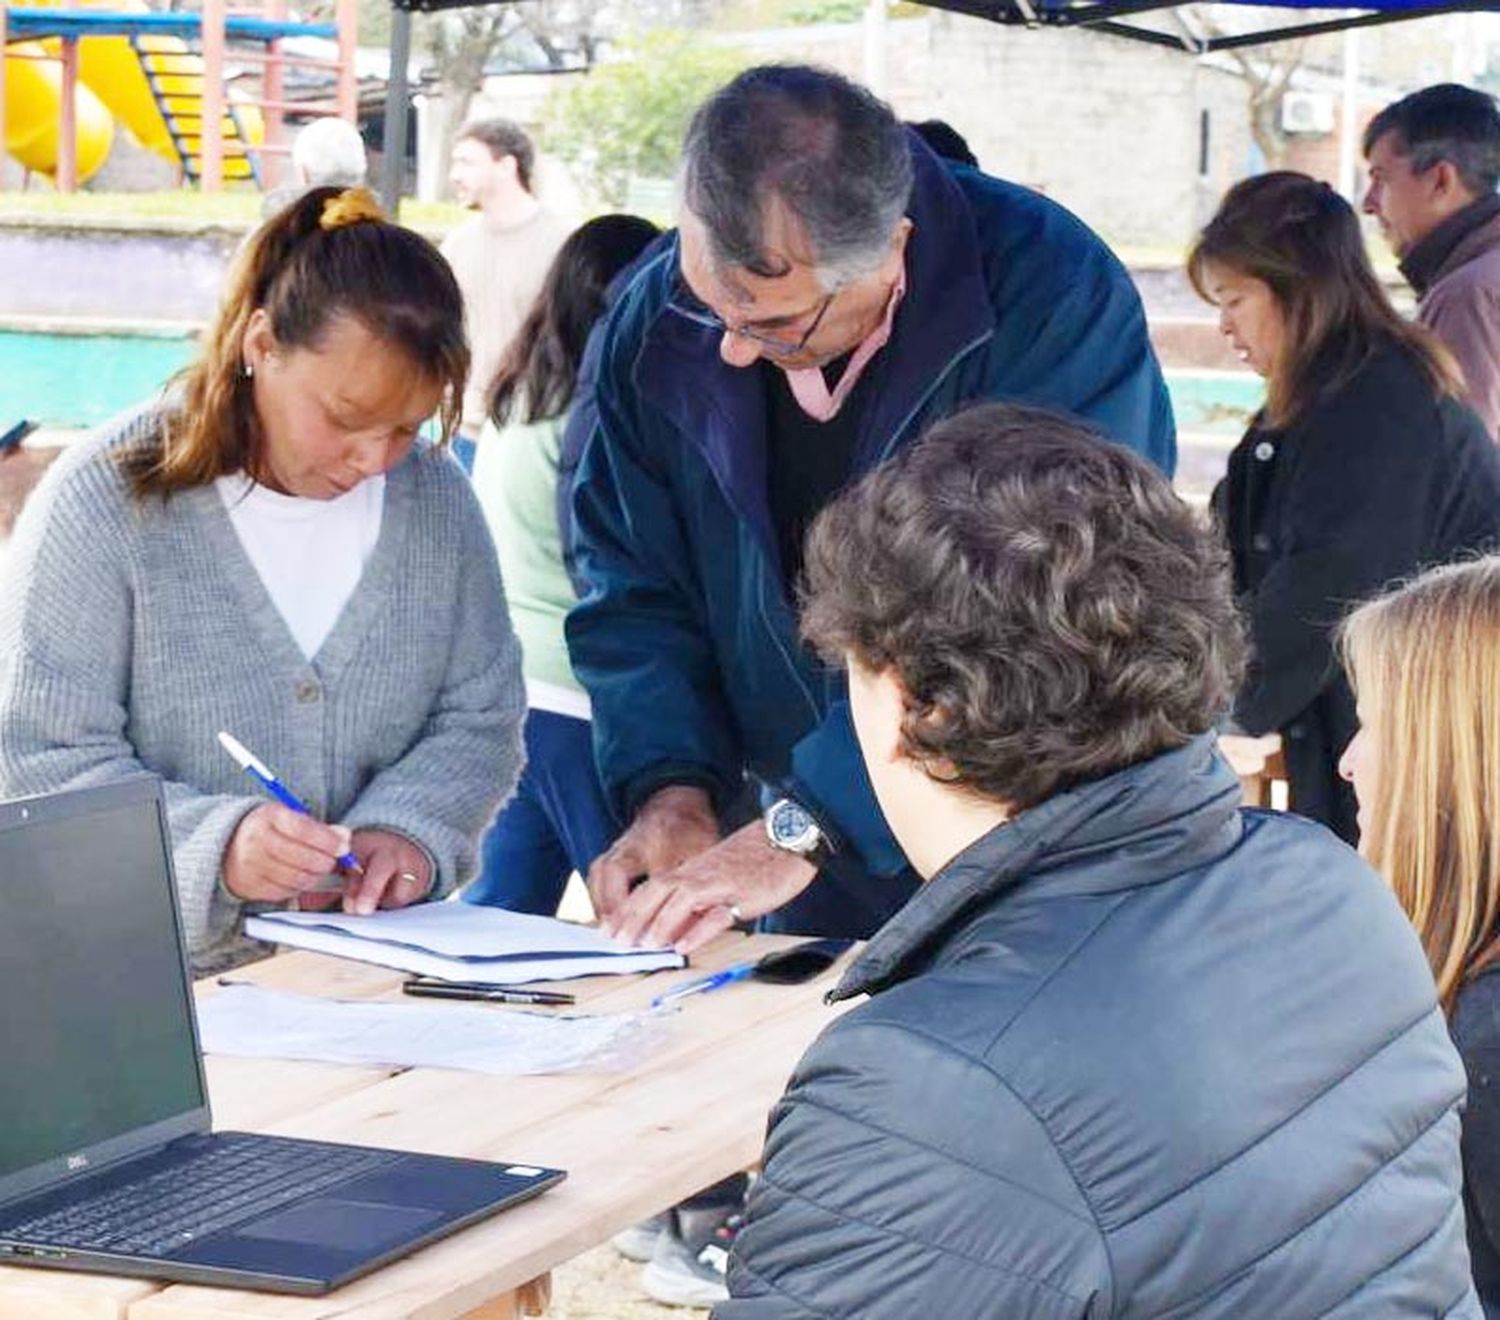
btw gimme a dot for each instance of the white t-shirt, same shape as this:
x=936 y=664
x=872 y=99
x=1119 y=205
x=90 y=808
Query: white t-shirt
x=309 y=553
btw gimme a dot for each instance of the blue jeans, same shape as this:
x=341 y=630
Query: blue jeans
x=557 y=823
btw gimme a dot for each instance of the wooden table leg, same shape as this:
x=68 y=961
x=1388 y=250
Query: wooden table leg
x=532 y=1298
x=535 y=1298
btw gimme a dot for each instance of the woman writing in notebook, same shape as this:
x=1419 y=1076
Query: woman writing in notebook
x=270 y=550
x=1425 y=768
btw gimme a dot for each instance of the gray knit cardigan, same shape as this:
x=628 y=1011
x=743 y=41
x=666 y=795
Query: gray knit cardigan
x=132 y=632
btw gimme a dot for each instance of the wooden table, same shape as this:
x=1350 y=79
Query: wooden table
x=633 y=1143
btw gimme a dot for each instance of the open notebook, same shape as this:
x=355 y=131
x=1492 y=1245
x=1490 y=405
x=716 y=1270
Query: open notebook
x=463 y=942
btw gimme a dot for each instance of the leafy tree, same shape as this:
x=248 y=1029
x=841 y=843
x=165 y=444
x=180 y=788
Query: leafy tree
x=461 y=44
x=627 y=118
x=1267 y=72
x=825 y=11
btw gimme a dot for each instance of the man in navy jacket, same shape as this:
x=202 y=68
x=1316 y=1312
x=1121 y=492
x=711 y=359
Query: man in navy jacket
x=833 y=288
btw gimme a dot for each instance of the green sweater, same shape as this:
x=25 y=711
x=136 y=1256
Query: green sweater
x=131 y=633
x=515 y=477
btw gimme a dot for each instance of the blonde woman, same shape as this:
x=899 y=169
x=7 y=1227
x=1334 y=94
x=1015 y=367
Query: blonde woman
x=1425 y=767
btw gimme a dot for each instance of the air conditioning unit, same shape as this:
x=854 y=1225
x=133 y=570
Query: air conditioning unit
x=1307 y=112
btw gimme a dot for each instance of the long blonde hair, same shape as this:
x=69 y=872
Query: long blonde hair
x=1424 y=661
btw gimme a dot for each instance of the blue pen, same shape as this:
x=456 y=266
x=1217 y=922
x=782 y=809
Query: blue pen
x=738 y=972
x=258 y=771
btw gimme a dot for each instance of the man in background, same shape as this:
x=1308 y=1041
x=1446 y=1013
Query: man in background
x=499 y=255
x=1434 y=160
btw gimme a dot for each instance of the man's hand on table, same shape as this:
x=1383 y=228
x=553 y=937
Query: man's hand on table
x=741 y=878
x=672 y=825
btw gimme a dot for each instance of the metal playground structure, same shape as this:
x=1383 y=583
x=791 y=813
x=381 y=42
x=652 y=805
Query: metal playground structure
x=72 y=75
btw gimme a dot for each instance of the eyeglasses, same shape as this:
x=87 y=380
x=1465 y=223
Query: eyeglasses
x=690 y=309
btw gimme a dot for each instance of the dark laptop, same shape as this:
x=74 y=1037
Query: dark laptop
x=107 y=1162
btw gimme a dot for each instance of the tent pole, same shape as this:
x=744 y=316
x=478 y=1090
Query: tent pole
x=1341 y=25
x=397 y=108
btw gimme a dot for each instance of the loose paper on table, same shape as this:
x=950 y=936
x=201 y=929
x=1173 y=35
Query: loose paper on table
x=464 y=942
x=273 y=1024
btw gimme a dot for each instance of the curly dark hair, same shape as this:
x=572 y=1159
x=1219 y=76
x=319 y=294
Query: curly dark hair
x=1053 y=611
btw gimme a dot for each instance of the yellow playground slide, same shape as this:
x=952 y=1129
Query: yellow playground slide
x=33 y=113
x=113 y=84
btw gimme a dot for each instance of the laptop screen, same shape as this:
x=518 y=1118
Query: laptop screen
x=95 y=1024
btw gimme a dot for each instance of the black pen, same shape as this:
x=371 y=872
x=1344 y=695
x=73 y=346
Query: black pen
x=494 y=994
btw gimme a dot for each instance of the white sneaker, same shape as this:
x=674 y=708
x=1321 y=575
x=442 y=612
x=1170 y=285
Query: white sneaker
x=677 y=1275
x=638 y=1242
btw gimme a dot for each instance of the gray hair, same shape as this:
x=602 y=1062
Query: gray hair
x=331 y=153
x=1447 y=122
x=832 y=153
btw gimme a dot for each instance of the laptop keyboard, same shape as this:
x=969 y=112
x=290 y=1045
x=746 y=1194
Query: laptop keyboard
x=234 y=1179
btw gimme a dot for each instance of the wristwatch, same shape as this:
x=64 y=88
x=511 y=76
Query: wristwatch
x=791 y=828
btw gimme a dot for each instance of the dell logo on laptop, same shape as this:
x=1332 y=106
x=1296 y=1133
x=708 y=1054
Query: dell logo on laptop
x=76 y=1162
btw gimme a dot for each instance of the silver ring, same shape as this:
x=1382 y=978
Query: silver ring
x=735 y=915
x=410 y=878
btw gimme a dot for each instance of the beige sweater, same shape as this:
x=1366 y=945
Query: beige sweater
x=500 y=271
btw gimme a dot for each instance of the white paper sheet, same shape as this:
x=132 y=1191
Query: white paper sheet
x=273 y=1024
x=463 y=942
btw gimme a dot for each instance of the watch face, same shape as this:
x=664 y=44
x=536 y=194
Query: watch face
x=792 y=827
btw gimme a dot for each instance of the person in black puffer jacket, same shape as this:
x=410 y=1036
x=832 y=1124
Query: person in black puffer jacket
x=1131 y=1050
x=1363 y=467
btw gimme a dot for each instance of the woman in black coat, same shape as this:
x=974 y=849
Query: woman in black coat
x=1362 y=468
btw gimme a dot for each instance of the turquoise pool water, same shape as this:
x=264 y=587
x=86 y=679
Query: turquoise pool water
x=79 y=380
x=1219 y=403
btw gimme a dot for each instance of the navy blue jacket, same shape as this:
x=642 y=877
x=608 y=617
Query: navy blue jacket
x=1137 y=1052
x=685 y=637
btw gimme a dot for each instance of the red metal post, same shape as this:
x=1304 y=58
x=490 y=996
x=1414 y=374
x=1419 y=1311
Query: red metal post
x=275 y=168
x=67 y=129
x=2 y=95
x=346 y=15
x=211 y=144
